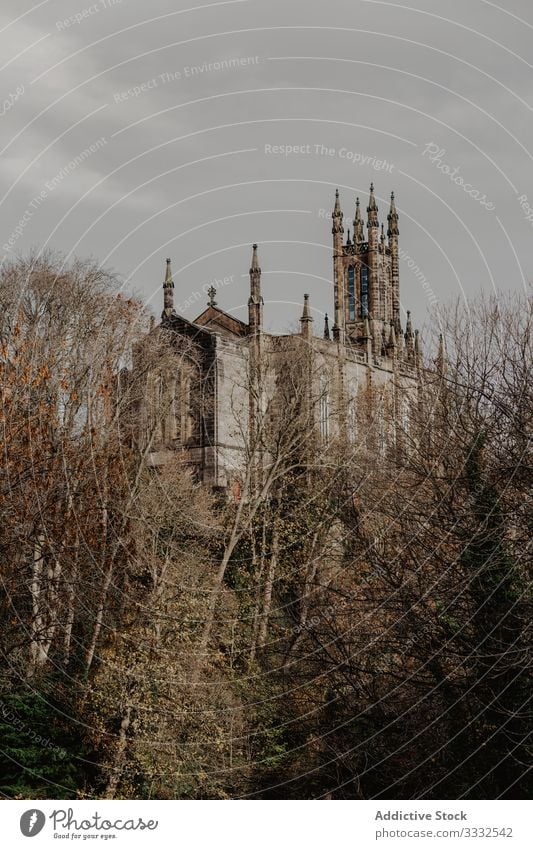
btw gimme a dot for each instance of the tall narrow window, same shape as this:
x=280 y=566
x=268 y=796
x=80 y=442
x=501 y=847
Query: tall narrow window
x=171 y=407
x=364 y=291
x=155 y=425
x=324 y=408
x=352 y=412
x=184 y=405
x=188 y=418
x=351 y=293
x=176 y=407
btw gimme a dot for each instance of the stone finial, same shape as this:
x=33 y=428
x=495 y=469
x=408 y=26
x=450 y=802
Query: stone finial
x=255 y=260
x=372 y=209
x=337 y=216
x=168 y=291
x=358 y=234
x=392 y=218
x=306 y=315
x=306 y=319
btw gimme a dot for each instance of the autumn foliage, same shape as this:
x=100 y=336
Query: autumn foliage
x=339 y=627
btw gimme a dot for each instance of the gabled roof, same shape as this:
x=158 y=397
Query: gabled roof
x=183 y=325
x=218 y=321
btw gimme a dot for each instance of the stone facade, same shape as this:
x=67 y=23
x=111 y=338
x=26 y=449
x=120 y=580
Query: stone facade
x=226 y=370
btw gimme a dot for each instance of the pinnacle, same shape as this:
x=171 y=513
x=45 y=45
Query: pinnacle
x=255 y=260
x=168 y=273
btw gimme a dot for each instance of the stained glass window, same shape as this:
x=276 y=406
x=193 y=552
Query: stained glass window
x=351 y=293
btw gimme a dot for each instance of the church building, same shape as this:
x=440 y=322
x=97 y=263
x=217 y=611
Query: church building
x=365 y=360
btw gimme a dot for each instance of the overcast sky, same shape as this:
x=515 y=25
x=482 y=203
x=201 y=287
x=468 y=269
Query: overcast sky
x=133 y=131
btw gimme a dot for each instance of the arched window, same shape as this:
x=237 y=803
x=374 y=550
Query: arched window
x=324 y=407
x=351 y=293
x=187 y=430
x=165 y=403
x=176 y=408
x=184 y=404
x=155 y=426
x=364 y=291
x=171 y=404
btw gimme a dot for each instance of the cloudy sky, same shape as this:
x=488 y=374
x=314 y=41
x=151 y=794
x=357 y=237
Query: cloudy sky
x=133 y=131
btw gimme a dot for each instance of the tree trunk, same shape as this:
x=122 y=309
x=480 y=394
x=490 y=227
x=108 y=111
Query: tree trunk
x=116 y=768
x=269 y=586
x=89 y=657
x=37 y=624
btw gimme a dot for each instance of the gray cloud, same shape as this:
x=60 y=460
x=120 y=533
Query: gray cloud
x=186 y=98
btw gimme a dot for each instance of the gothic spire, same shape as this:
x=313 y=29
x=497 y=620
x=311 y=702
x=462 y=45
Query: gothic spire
x=326 y=327
x=255 y=261
x=358 y=235
x=306 y=319
x=255 y=301
x=372 y=209
x=168 y=272
x=392 y=218
x=255 y=279
x=409 y=336
x=168 y=292
x=338 y=271
x=337 y=215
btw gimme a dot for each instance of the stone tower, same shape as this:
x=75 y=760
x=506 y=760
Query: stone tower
x=366 y=277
